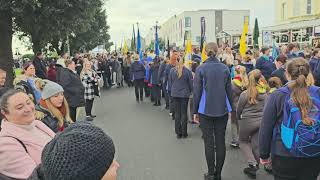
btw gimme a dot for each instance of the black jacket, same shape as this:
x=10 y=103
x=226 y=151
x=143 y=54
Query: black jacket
x=48 y=119
x=40 y=66
x=137 y=71
x=73 y=87
x=280 y=73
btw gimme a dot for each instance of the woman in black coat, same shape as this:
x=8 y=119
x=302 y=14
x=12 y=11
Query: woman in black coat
x=73 y=87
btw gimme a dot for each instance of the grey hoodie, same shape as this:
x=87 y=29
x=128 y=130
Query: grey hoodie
x=253 y=112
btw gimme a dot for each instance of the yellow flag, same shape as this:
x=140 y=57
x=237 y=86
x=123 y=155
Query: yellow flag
x=243 y=40
x=125 y=48
x=204 y=56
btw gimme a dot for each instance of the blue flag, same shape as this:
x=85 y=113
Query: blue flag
x=157 y=51
x=275 y=52
x=139 y=46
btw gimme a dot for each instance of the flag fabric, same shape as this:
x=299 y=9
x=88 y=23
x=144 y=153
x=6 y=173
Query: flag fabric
x=204 y=56
x=157 y=50
x=275 y=52
x=256 y=35
x=133 y=40
x=243 y=40
x=203 y=32
x=125 y=48
x=168 y=50
x=139 y=50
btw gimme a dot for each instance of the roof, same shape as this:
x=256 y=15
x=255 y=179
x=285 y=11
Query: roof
x=293 y=25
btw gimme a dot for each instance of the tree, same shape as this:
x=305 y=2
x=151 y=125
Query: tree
x=97 y=34
x=6 y=59
x=256 y=35
x=49 y=24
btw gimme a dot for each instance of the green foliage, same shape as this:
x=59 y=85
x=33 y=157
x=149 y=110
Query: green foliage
x=29 y=56
x=49 y=23
x=96 y=34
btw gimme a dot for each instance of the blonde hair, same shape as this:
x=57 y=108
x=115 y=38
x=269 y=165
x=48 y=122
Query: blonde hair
x=84 y=70
x=254 y=77
x=241 y=70
x=179 y=68
x=56 y=112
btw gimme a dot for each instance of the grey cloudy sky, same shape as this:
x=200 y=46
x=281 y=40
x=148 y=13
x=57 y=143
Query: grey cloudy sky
x=123 y=13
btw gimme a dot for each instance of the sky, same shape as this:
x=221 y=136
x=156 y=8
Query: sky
x=123 y=13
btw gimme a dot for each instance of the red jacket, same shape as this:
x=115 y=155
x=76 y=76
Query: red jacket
x=52 y=73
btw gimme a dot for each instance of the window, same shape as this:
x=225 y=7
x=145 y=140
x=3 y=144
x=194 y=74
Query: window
x=198 y=39
x=309 y=7
x=284 y=11
x=187 y=22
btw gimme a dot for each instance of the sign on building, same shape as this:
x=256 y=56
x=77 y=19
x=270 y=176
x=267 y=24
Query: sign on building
x=266 y=38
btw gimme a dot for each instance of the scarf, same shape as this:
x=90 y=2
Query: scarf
x=262 y=88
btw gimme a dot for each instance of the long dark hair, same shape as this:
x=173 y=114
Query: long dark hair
x=299 y=70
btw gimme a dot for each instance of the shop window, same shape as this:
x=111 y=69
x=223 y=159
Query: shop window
x=188 y=22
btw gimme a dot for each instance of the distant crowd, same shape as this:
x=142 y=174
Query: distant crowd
x=273 y=103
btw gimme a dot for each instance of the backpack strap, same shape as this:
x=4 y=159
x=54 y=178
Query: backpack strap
x=22 y=144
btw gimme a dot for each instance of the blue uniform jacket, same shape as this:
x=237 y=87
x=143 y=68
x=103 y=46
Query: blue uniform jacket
x=212 y=91
x=181 y=88
x=137 y=70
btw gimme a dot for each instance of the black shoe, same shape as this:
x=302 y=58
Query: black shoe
x=251 y=171
x=179 y=136
x=185 y=136
x=93 y=116
x=88 y=118
x=141 y=99
x=234 y=144
x=209 y=177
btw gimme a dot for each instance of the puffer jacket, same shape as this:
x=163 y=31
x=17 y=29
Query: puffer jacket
x=48 y=119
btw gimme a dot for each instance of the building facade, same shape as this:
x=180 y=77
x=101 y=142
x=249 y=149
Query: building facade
x=222 y=26
x=298 y=21
x=288 y=11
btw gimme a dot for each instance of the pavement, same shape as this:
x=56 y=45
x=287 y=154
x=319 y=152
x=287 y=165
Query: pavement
x=146 y=144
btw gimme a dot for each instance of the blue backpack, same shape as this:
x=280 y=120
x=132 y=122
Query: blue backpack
x=299 y=139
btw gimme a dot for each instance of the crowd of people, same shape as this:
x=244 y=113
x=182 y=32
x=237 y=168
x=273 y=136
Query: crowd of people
x=272 y=103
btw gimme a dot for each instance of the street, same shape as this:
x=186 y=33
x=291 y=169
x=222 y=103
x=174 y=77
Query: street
x=146 y=145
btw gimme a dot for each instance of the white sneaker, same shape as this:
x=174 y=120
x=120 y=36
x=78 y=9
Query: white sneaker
x=170 y=114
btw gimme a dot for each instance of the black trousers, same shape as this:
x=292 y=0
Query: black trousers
x=290 y=168
x=138 y=88
x=156 y=91
x=108 y=77
x=181 y=115
x=214 y=130
x=146 y=89
x=88 y=107
x=73 y=113
x=171 y=103
x=167 y=98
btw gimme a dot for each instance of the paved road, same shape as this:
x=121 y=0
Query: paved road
x=146 y=146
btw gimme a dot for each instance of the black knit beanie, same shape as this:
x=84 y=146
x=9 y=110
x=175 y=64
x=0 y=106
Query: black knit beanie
x=81 y=152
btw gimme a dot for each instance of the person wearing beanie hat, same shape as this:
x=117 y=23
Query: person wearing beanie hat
x=82 y=152
x=53 y=108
